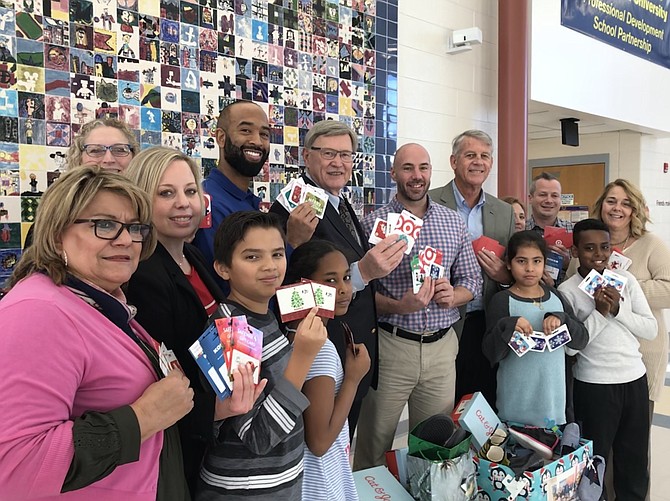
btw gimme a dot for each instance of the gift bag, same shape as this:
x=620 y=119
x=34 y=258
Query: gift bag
x=557 y=480
x=447 y=480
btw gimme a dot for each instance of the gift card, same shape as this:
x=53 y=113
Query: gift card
x=428 y=256
x=418 y=278
x=540 y=341
x=489 y=244
x=318 y=200
x=555 y=235
x=619 y=262
x=436 y=271
x=378 y=231
x=324 y=298
x=295 y=301
x=558 y=337
x=409 y=224
x=591 y=282
x=554 y=264
x=208 y=354
x=520 y=343
x=615 y=280
x=167 y=360
x=296 y=195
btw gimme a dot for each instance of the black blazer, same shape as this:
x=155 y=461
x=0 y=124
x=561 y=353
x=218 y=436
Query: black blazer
x=171 y=312
x=362 y=313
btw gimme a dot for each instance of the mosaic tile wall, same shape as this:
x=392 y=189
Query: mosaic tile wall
x=166 y=67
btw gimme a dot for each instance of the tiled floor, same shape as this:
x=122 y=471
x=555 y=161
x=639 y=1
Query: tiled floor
x=660 y=444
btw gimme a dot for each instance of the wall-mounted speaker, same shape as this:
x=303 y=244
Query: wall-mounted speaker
x=570 y=131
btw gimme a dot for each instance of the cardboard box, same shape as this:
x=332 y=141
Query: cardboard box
x=378 y=483
x=474 y=414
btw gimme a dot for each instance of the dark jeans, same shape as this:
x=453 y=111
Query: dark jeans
x=616 y=417
x=473 y=370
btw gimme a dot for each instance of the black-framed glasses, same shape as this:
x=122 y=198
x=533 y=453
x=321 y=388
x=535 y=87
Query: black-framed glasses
x=109 y=229
x=330 y=154
x=99 y=150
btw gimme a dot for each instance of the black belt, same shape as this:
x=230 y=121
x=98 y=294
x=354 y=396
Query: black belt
x=419 y=338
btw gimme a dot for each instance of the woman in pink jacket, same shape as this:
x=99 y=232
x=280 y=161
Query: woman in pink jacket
x=87 y=412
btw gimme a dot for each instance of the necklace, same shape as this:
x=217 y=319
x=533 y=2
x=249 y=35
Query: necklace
x=624 y=242
x=181 y=261
x=537 y=301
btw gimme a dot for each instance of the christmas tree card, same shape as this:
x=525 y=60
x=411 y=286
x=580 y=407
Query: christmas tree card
x=324 y=298
x=295 y=301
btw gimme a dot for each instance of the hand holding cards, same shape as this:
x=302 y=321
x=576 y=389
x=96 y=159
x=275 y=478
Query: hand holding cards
x=594 y=280
x=296 y=300
x=538 y=342
x=489 y=244
x=555 y=235
x=297 y=192
x=427 y=263
x=225 y=344
x=405 y=224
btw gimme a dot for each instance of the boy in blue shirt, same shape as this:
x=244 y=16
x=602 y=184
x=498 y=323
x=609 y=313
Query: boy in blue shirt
x=259 y=454
x=610 y=387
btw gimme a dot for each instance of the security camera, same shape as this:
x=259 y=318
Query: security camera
x=468 y=36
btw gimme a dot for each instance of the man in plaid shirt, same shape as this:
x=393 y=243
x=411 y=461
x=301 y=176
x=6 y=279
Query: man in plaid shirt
x=417 y=345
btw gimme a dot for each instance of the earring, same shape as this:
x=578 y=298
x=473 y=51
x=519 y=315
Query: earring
x=65 y=258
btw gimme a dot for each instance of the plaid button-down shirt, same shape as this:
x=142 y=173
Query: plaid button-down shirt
x=444 y=230
x=559 y=223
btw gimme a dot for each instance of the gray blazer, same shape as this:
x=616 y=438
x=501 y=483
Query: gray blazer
x=498 y=221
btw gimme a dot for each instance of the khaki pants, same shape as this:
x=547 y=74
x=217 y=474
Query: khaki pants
x=421 y=375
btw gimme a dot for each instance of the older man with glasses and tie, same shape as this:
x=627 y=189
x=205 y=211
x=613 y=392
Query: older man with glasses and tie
x=328 y=153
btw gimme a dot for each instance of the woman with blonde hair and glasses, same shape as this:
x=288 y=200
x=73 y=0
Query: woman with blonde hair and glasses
x=175 y=294
x=88 y=413
x=106 y=142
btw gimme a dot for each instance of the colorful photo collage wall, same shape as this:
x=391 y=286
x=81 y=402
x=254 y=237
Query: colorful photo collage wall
x=166 y=68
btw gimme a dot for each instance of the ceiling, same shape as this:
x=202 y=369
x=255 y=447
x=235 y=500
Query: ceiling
x=544 y=122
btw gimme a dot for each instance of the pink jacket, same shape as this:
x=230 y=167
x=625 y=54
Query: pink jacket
x=59 y=357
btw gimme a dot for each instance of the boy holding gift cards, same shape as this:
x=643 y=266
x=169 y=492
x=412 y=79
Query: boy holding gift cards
x=329 y=388
x=529 y=324
x=610 y=389
x=249 y=253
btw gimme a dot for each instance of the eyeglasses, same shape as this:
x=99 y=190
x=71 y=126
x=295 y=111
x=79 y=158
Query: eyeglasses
x=330 y=154
x=99 y=150
x=108 y=229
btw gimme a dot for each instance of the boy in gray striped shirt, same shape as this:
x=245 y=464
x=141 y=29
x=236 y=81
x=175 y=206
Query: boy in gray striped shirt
x=259 y=454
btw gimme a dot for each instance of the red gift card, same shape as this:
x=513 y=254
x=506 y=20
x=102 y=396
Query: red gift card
x=487 y=243
x=429 y=256
x=554 y=235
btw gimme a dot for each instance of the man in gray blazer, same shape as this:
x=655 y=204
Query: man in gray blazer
x=483 y=214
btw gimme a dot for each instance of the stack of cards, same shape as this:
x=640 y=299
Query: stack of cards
x=296 y=300
x=537 y=341
x=489 y=244
x=427 y=263
x=594 y=280
x=224 y=345
x=297 y=192
x=405 y=224
x=167 y=360
x=555 y=235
